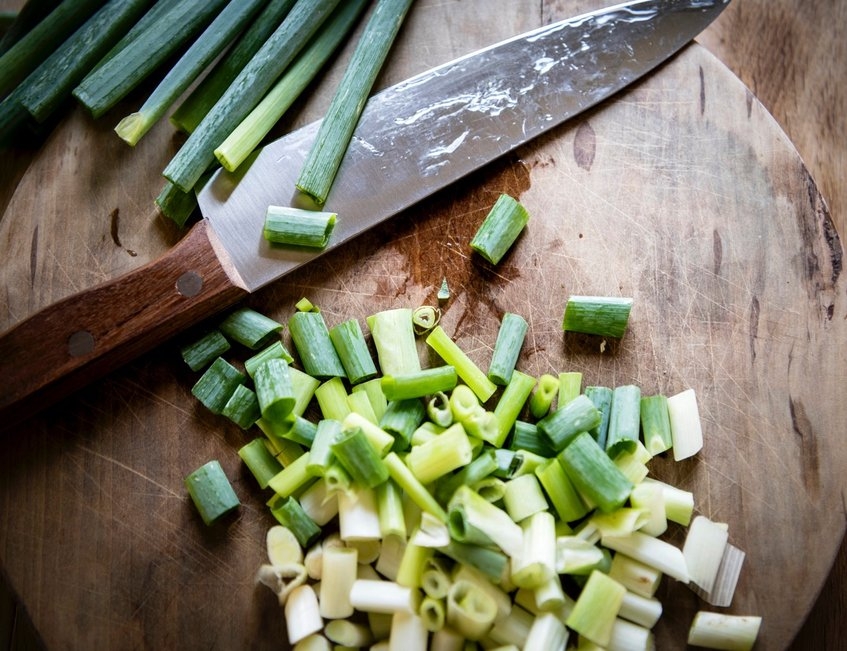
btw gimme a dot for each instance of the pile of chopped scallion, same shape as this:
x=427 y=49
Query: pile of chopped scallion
x=448 y=507
x=225 y=73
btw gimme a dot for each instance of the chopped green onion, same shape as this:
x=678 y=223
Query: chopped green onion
x=477 y=470
x=507 y=348
x=597 y=315
x=394 y=339
x=597 y=608
x=561 y=426
x=358 y=518
x=602 y=399
x=724 y=631
x=217 y=384
x=686 y=429
x=211 y=492
x=192 y=110
x=651 y=551
x=259 y=460
x=444 y=453
x=389 y=502
x=655 y=424
x=347 y=634
x=401 y=419
x=368 y=595
x=18 y=23
x=373 y=390
x=510 y=405
x=357 y=455
x=336 y=129
x=547 y=632
x=320 y=453
x=413 y=487
x=438 y=409
x=202 y=351
x=500 y=229
x=225 y=26
x=275 y=390
x=248 y=135
x=352 y=349
x=250 y=328
x=433 y=612
x=176 y=205
x=593 y=473
x=638 y=577
x=314 y=345
x=679 y=503
x=474 y=520
x=561 y=492
x=332 y=399
x=536 y=564
x=443 y=291
x=450 y=352
x=546 y=390
x=381 y=440
x=570 y=386
x=425 y=318
x=525 y=437
x=292 y=477
x=420 y=383
x=246 y=90
x=242 y=408
x=579 y=557
x=651 y=498
x=470 y=611
x=122 y=71
x=523 y=497
x=290 y=514
x=298 y=227
x=302 y=614
x=298 y=429
x=274 y=351
x=705 y=543
x=624 y=420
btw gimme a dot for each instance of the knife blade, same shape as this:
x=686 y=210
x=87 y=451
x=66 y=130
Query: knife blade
x=412 y=140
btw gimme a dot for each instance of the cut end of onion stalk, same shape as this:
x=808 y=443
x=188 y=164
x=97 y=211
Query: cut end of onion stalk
x=686 y=429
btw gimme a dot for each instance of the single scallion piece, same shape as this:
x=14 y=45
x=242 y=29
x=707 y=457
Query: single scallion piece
x=596 y=608
x=248 y=135
x=217 y=384
x=655 y=424
x=525 y=437
x=413 y=487
x=357 y=455
x=570 y=386
x=20 y=22
x=394 y=339
x=470 y=611
x=724 y=631
x=292 y=477
x=389 y=502
x=509 y=406
x=401 y=419
x=276 y=350
x=478 y=469
x=507 y=348
x=314 y=345
x=124 y=70
x=259 y=460
x=192 y=110
x=201 y=352
x=297 y=227
x=274 y=390
x=560 y=491
x=561 y=426
x=602 y=399
x=176 y=205
x=606 y=316
x=651 y=551
x=453 y=355
x=336 y=129
x=624 y=420
x=546 y=390
x=442 y=454
x=352 y=349
x=524 y=497
x=242 y=408
x=331 y=396
x=593 y=473
x=211 y=492
x=491 y=562
x=250 y=328
x=500 y=229
x=686 y=428
x=290 y=514
x=248 y=88
x=547 y=632
x=419 y=384
x=474 y=520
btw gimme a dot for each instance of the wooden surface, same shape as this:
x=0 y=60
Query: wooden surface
x=728 y=249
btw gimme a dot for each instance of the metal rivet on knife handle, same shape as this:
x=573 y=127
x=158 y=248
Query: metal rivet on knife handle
x=80 y=343
x=189 y=284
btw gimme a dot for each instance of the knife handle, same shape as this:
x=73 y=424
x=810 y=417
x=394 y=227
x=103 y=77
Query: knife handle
x=83 y=337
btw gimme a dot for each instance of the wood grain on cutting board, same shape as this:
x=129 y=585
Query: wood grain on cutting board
x=735 y=284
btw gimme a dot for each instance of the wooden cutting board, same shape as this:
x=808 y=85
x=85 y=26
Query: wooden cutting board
x=682 y=193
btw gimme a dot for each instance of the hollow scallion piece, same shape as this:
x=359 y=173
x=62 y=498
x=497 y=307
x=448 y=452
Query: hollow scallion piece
x=655 y=424
x=536 y=563
x=624 y=420
x=635 y=576
x=342 y=115
x=561 y=426
x=596 y=608
x=242 y=408
x=570 y=386
x=450 y=352
x=202 y=351
x=490 y=561
x=394 y=340
x=352 y=349
x=290 y=514
x=217 y=384
x=524 y=497
x=211 y=492
x=474 y=520
x=438 y=409
x=381 y=440
x=225 y=26
x=389 y=503
x=510 y=405
x=651 y=498
x=547 y=632
x=176 y=205
x=274 y=390
x=297 y=227
x=419 y=384
x=686 y=428
x=246 y=90
x=302 y=614
x=292 y=477
x=401 y=419
x=470 y=611
x=525 y=437
x=357 y=455
x=425 y=318
x=442 y=454
x=273 y=351
x=373 y=390
x=331 y=396
x=314 y=345
x=507 y=348
x=651 y=551
x=259 y=460
x=724 y=631
x=192 y=110
x=369 y=595
x=500 y=229
x=705 y=543
x=247 y=136
x=413 y=487
x=545 y=393
x=593 y=473
x=602 y=399
x=561 y=492
x=250 y=328
x=606 y=316
x=475 y=471
x=433 y=612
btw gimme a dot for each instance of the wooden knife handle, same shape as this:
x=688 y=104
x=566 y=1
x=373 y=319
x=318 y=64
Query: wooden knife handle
x=83 y=337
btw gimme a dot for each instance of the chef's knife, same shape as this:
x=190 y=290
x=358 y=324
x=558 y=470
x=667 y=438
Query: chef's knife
x=413 y=139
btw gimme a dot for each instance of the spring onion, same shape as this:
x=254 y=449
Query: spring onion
x=259 y=460
x=470 y=611
x=500 y=229
x=382 y=597
x=507 y=348
x=314 y=345
x=248 y=88
x=211 y=492
x=602 y=399
x=624 y=420
x=302 y=614
x=686 y=429
x=342 y=115
x=338 y=573
x=564 y=497
x=243 y=407
x=605 y=316
x=597 y=608
x=352 y=350
x=441 y=455
x=474 y=520
x=274 y=390
x=547 y=632
x=536 y=563
x=523 y=497
x=291 y=515
x=292 y=477
x=359 y=458
x=394 y=339
x=655 y=424
x=510 y=405
x=724 y=631
x=705 y=543
x=401 y=419
x=593 y=473
x=420 y=383
x=250 y=328
x=561 y=426
x=297 y=227
x=203 y=350
x=546 y=390
x=274 y=350
x=450 y=352
x=191 y=111
x=651 y=551
x=413 y=487
x=217 y=384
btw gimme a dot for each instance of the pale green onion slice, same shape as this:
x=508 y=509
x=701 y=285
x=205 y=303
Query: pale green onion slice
x=298 y=227
x=597 y=608
x=450 y=352
x=686 y=429
x=724 y=631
